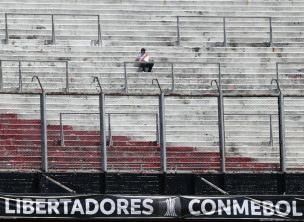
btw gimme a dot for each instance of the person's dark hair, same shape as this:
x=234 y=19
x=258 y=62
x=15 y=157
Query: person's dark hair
x=143 y=50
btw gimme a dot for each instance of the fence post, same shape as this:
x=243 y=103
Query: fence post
x=61 y=130
x=20 y=76
x=1 y=77
x=6 y=29
x=53 y=31
x=282 y=133
x=44 y=149
x=99 y=31
x=221 y=123
x=103 y=139
x=221 y=131
x=67 y=85
x=270 y=32
x=277 y=71
x=157 y=128
x=178 y=34
x=110 y=129
x=172 y=78
x=126 y=77
x=270 y=129
x=44 y=154
x=225 y=35
x=162 y=132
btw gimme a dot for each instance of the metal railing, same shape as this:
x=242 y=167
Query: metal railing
x=53 y=23
x=172 y=71
x=224 y=26
x=110 y=140
x=258 y=114
x=40 y=61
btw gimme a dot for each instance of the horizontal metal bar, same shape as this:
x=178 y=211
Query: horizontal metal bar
x=300 y=63
x=59 y=14
x=206 y=63
x=135 y=113
x=16 y=60
x=214 y=16
x=248 y=114
x=153 y=94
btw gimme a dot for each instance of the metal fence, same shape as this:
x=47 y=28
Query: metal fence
x=27 y=68
x=53 y=23
x=168 y=77
x=224 y=26
x=88 y=146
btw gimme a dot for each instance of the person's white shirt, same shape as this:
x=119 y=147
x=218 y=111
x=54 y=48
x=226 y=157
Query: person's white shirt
x=143 y=57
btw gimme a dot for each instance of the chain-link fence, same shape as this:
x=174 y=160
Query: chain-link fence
x=20 y=134
x=251 y=134
x=133 y=133
x=192 y=134
x=294 y=131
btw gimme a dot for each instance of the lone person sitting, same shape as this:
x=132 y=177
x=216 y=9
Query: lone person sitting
x=144 y=61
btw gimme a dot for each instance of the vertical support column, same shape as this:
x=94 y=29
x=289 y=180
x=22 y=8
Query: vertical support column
x=162 y=132
x=53 y=31
x=270 y=32
x=1 y=77
x=67 y=85
x=20 y=76
x=224 y=31
x=126 y=77
x=103 y=139
x=178 y=34
x=99 y=31
x=282 y=133
x=6 y=29
x=172 y=78
x=44 y=156
x=221 y=125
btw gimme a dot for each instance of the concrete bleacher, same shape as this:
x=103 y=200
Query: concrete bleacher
x=247 y=67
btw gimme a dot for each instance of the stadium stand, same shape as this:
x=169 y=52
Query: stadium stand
x=67 y=43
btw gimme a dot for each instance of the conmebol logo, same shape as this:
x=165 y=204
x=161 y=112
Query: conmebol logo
x=170 y=208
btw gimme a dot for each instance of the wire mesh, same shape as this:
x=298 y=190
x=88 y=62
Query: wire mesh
x=294 y=131
x=192 y=134
x=20 y=133
x=133 y=129
x=80 y=125
x=251 y=134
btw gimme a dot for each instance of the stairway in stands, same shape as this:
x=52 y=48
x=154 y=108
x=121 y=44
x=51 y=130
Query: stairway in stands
x=20 y=151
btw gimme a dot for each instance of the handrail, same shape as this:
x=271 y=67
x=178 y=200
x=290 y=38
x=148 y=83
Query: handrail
x=258 y=114
x=53 y=23
x=224 y=25
x=37 y=61
x=109 y=122
x=172 y=71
